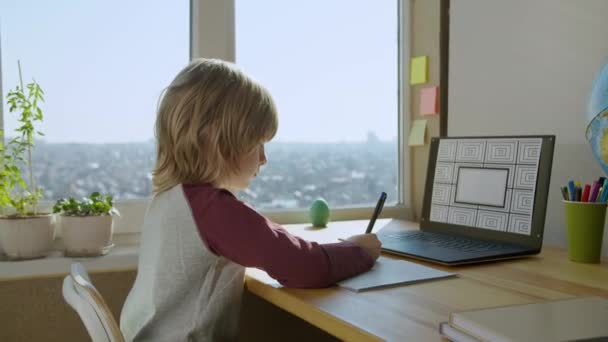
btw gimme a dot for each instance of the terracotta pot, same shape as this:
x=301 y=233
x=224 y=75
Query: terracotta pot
x=86 y=235
x=27 y=237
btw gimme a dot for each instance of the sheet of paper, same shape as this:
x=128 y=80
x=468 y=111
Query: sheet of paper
x=429 y=103
x=392 y=272
x=417 y=133
x=418 y=70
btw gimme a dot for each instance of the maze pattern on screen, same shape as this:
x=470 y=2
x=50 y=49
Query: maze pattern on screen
x=520 y=156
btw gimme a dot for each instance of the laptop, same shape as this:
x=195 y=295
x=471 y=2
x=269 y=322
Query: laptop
x=485 y=199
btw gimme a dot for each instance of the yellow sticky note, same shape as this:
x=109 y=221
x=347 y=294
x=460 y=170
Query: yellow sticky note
x=418 y=70
x=417 y=133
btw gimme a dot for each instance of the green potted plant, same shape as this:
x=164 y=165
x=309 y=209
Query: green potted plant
x=24 y=232
x=86 y=225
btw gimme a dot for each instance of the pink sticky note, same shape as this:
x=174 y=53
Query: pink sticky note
x=429 y=103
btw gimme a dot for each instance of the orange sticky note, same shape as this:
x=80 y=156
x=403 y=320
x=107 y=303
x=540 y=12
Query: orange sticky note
x=429 y=103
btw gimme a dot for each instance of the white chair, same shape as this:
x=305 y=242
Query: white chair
x=83 y=297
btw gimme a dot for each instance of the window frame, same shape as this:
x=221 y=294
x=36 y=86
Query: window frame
x=212 y=35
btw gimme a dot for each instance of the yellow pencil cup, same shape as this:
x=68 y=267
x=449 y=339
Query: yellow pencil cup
x=585 y=224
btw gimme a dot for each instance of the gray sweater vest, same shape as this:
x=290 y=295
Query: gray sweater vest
x=183 y=292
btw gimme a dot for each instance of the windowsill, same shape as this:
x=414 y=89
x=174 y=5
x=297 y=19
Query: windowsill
x=122 y=257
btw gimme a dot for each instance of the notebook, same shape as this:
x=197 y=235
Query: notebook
x=391 y=272
x=455 y=335
x=561 y=320
x=485 y=199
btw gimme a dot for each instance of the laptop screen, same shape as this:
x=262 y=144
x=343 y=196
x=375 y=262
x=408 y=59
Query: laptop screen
x=486 y=183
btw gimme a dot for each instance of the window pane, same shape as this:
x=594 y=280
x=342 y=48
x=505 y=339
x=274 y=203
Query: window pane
x=102 y=65
x=331 y=67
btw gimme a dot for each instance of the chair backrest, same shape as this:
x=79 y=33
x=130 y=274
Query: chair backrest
x=83 y=297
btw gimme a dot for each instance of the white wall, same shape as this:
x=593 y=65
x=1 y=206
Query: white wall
x=527 y=67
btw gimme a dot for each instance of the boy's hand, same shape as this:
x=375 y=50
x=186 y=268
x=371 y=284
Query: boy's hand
x=369 y=243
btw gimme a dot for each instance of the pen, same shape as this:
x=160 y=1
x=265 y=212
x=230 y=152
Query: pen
x=604 y=192
x=571 y=190
x=594 y=191
x=377 y=211
x=586 y=193
x=601 y=197
x=565 y=193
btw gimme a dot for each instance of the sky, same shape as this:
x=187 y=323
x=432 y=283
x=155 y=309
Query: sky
x=331 y=66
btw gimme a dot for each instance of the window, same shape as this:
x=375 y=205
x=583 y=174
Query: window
x=332 y=68
x=102 y=65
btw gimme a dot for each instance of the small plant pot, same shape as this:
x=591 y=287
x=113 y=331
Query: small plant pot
x=86 y=235
x=27 y=237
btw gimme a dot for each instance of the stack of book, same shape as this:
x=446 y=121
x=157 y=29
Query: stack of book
x=580 y=319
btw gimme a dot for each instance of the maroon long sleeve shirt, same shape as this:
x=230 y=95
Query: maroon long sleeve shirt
x=232 y=229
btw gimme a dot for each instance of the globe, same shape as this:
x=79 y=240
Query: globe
x=597 y=118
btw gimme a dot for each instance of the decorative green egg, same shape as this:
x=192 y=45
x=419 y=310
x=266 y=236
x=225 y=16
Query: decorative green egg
x=319 y=213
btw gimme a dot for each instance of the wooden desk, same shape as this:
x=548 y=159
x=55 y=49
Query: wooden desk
x=413 y=312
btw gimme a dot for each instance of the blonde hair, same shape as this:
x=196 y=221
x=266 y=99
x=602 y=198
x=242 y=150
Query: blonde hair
x=209 y=117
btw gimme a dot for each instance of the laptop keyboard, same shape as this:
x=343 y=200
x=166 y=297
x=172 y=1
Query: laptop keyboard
x=448 y=241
